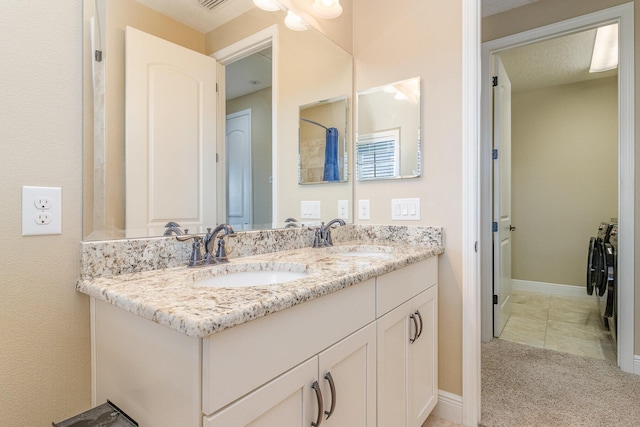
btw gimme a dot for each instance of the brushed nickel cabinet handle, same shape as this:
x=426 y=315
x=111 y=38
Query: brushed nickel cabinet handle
x=332 y=386
x=316 y=387
x=421 y=324
x=415 y=324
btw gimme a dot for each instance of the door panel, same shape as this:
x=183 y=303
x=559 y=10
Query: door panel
x=170 y=126
x=239 y=175
x=502 y=282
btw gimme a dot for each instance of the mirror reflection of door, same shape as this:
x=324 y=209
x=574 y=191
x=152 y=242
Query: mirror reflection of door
x=249 y=163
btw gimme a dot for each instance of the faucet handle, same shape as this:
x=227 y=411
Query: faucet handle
x=221 y=252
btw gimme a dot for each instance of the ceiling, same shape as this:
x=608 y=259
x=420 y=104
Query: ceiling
x=558 y=61
x=198 y=17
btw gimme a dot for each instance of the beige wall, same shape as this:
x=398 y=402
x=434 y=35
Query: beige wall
x=260 y=105
x=44 y=340
x=544 y=12
x=564 y=177
x=423 y=39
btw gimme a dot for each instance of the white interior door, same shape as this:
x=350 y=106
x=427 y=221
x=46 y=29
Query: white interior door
x=239 y=176
x=170 y=135
x=502 y=282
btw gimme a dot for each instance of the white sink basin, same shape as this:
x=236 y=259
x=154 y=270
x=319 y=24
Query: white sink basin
x=251 y=278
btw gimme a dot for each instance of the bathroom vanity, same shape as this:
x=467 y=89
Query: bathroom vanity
x=353 y=342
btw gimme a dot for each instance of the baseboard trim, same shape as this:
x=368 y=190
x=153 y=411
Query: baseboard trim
x=449 y=407
x=549 y=288
x=636 y=364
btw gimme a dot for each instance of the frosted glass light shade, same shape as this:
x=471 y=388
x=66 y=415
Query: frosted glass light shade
x=326 y=9
x=270 y=5
x=294 y=22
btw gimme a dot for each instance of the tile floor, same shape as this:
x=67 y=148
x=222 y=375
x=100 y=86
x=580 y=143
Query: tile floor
x=562 y=323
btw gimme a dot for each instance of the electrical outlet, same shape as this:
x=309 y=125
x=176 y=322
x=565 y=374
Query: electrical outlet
x=364 y=209
x=41 y=210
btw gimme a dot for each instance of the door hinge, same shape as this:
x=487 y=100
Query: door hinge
x=494 y=226
x=494 y=154
x=217 y=158
x=216 y=87
x=495 y=81
x=495 y=299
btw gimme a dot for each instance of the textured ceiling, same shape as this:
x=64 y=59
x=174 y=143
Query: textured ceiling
x=552 y=62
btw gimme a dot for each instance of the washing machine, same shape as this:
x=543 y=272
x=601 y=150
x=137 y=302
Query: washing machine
x=609 y=307
x=602 y=271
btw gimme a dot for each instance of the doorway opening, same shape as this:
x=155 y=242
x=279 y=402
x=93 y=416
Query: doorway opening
x=248 y=89
x=555 y=182
x=625 y=154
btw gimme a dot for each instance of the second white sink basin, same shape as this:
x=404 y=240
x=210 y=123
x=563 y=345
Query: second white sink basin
x=251 y=278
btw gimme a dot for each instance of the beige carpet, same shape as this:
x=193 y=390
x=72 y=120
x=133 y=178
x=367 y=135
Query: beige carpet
x=528 y=386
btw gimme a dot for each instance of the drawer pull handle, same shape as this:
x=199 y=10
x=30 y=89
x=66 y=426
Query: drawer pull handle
x=332 y=385
x=421 y=324
x=415 y=324
x=316 y=387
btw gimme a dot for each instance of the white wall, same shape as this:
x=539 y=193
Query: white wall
x=44 y=339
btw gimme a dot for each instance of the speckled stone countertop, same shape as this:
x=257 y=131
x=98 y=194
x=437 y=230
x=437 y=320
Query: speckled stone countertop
x=171 y=296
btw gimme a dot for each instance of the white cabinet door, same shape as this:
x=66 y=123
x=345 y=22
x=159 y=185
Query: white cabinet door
x=351 y=366
x=407 y=362
x=287 y=401
x=423 y=364
x=393 y=367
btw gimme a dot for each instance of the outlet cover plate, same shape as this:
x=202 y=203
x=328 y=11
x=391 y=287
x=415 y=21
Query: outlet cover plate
x=41 y=211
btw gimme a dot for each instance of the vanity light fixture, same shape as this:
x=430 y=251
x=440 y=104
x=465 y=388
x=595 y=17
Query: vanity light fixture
x=605 y=49
x=326 y=9
x=269 y=5
x=294 y=22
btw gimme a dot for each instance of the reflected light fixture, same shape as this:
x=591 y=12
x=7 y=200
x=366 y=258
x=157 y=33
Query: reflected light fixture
x=270 y=5
x=605 y=49
x=326 y=9
x=294 y=22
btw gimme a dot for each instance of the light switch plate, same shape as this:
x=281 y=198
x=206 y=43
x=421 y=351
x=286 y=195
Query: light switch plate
x=41 y=210
x=310 y=209
x=343 y=209
x=364 y=209
x=405 y=209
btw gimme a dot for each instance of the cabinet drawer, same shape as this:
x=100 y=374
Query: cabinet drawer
x=401 y=285
x=241 y=359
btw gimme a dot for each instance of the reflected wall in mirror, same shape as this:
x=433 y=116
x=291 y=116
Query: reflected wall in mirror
x=309 y=67
x=388 y=131
x=323 y=141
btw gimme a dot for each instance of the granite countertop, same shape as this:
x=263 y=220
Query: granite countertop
x=170 y=297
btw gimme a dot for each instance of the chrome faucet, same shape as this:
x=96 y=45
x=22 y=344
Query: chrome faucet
x=197 y=259
x=322 y=237
x=174 y=227
x=209 y=239
x=291 y=223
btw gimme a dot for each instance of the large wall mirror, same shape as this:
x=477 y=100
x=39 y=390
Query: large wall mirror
x=388 y=131
x=192 y=175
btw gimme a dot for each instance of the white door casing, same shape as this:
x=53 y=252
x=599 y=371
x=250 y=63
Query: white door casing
x=170 y=126
x=502 y=282
x=238 y=164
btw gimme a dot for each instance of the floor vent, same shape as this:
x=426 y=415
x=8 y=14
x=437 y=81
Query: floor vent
x=212 y=4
